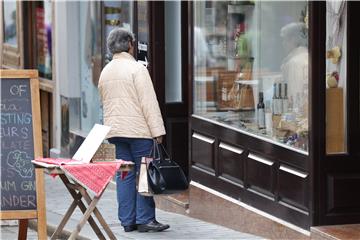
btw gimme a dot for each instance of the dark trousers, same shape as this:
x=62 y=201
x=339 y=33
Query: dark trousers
x=132 y=207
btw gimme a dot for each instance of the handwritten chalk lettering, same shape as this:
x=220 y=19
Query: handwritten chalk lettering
x=18 y=90
x=16 y=201
x=20 y=162
x=16 y=144
x=16 y=118
x=8 y=186
x=27 y=186
x=9 y=107
x=14 y=132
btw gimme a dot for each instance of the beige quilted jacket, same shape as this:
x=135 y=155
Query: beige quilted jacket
x=129 y=102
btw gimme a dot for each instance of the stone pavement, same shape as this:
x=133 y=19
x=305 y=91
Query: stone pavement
x=181 y=227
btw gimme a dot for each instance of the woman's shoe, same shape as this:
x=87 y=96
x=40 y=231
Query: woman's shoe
x=130 y=228
x=153 y=226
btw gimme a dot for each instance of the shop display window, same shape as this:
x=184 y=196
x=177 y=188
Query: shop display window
x=9 y=27
x=251 y=68
x=90 y=64
x=43 y=38
x=116 y=14
x=11 y=38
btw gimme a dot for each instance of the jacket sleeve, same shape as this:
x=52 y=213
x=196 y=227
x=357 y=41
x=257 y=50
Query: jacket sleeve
x=148 y=102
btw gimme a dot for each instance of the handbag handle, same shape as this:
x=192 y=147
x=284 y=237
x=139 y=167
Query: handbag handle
x=155 y=150
x=164 y=154
x=161 y=153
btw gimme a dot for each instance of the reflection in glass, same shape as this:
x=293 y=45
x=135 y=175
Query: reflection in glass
x=10 y=23
x=43 y=20
x=251 y=68
x=117 y=14
x=336 y=52
x=90 y=64
x=143 y=33
x=173 y=66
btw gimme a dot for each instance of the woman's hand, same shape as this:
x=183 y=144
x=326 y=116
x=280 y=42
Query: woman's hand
x=159 y=139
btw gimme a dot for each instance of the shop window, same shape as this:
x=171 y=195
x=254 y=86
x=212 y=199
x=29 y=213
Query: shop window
x=251 y=68
x=10 y=35
x=336 y=52
x=43 y=38
x=117 y=14
x=10 y=32
x=90 y=64
x=86 y=110
x=143 y=50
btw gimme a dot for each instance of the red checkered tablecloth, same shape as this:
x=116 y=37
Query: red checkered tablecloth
x=92 y=176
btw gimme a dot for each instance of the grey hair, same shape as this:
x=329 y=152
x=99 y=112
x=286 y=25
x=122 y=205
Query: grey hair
x=296 y=31
x=118 y=40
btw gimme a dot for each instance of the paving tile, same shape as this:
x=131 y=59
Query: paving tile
x=181 y=227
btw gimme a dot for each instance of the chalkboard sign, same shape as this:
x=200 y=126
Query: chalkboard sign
x=17 y=146
x=22 y=187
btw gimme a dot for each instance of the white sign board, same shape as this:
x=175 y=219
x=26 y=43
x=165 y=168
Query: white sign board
x=91 y=143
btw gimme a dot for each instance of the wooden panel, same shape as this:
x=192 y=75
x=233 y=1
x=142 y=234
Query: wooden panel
x=177 y=141
x=292 y=185
x=260 y=173
x=343 y=194
x=203 y=151
x=231 y=163
x=335 y=120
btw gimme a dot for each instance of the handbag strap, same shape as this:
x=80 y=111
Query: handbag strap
x=164 y=154
x=154 y=152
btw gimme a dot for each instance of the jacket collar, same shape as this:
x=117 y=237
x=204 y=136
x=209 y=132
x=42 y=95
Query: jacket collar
x=123 y=55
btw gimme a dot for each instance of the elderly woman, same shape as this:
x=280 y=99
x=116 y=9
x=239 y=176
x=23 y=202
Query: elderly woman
x=131 y=109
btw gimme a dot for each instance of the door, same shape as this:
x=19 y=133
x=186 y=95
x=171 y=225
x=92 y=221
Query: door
x=338 y=198
x=169 y=70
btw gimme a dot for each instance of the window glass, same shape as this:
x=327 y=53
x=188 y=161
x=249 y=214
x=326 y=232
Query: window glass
x=117 y=14
x=143 y=33
x=336 y=51
x=251 y=68
x=90 y=63
x=10 y=32
x=43 y=35
x=173 y=52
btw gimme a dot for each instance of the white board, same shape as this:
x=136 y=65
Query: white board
x=91 y=143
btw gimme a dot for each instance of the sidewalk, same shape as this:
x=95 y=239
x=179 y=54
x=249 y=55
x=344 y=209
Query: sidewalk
x=181 y=227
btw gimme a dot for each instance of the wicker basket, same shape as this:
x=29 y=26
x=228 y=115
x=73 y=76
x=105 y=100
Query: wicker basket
x=106 y=152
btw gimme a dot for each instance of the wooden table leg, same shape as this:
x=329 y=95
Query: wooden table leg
x=84 y=219
x=98 y=214
x=77 y=197
x=64 y=220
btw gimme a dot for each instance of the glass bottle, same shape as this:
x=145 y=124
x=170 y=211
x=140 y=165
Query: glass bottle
x=274 y=101
x=279 y=101
x=261 y=112
x=285 y=100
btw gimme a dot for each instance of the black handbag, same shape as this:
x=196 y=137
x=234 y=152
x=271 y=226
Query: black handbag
x=164 y=175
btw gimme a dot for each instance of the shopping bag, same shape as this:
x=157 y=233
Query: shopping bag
x=143 y=184
x=165 y=176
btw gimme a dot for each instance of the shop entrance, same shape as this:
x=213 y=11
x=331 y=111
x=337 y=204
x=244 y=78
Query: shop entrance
x=169 y=70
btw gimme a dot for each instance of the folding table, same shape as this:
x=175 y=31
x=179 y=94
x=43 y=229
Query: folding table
x=78 y=193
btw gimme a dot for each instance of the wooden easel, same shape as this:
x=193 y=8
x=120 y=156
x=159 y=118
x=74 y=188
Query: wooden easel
x=40 y=212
